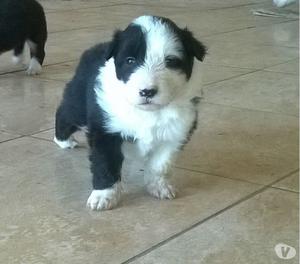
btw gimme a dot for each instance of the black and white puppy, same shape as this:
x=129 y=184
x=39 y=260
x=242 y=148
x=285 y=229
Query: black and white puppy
x=134 y=88
x=23 y=21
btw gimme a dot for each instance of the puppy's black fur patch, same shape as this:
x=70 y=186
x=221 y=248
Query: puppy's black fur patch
x=128 y=49
x=22 y=20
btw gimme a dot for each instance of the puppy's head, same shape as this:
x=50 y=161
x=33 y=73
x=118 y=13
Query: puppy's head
x=153 y=60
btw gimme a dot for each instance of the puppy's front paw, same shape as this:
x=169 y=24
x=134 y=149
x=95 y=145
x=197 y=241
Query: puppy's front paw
x=161 y=189
x=69 y=143
x=104 y=199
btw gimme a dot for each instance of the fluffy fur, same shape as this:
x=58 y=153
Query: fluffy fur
x=23 y=21
x=133 y=88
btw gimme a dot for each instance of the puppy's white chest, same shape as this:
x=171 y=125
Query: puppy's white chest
x=150 y=129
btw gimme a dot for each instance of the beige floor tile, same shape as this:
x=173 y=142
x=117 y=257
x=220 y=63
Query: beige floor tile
x=215 y=73
x=61 y=5
x=264 y=91
x=208 y=22
x=48 y=134
x=201 y=5
x=105 y=18
x=60 y=72
x=291 y=183
x=6 y=64
x=57 y=72
x=86 y=18
x=44 y=219
x=28 y=104
x=4 y=136
x=251 y=56
x=203 y=22
x=65 y=46
x=289 y=67
x=247 y=145
x=244 y=234
x=280 y=34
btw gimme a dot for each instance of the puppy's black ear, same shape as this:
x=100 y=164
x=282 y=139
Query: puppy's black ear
x=113 y=45
x=194 y=46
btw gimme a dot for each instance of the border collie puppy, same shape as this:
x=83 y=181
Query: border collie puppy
x=134 y=88
x=23 y=21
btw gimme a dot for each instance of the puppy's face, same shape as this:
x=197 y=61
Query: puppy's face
x=153 y=59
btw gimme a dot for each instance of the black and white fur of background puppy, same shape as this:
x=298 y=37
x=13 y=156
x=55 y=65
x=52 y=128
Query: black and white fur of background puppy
x=134 y=88
x=23 y=21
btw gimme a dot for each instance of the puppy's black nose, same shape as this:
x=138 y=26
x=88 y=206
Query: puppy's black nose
x=148 y=93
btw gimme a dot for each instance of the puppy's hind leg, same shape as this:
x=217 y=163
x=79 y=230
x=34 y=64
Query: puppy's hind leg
x=64 y=128
x=18 y=56
x=37 y=54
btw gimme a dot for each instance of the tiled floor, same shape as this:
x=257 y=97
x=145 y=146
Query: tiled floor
x=238 y=177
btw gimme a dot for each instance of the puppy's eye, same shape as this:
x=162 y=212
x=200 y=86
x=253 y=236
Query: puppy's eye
x=130 y=60
x=173 y=62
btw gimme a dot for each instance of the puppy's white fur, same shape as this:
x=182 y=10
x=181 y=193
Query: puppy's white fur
x=69 y=143
x=34 y=67
x=18 y=59
x=105 y=199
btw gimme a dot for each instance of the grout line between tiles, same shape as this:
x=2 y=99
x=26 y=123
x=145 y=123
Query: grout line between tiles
x=34 y=135
x=278 y=71
x=11 y=139
x=51 y=11
x=217 y=175
x=247 y=197
x=189 y=8
x=250 y=109
x=230 y=78
x=98 y=27
x=231 y=7
x=49 y=79
x=39 y=138
x=226 y=32
x=245 y=68
x=230 y=178
x=44 y=66
x=283 y=189
x=251 y=27
x=280 y=46
x=41 y=131
x=29 y=134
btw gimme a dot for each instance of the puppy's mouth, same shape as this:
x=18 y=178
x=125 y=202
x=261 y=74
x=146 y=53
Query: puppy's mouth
x=149 y=105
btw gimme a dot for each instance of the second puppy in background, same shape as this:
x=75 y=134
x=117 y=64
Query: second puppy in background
x=23 y=21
